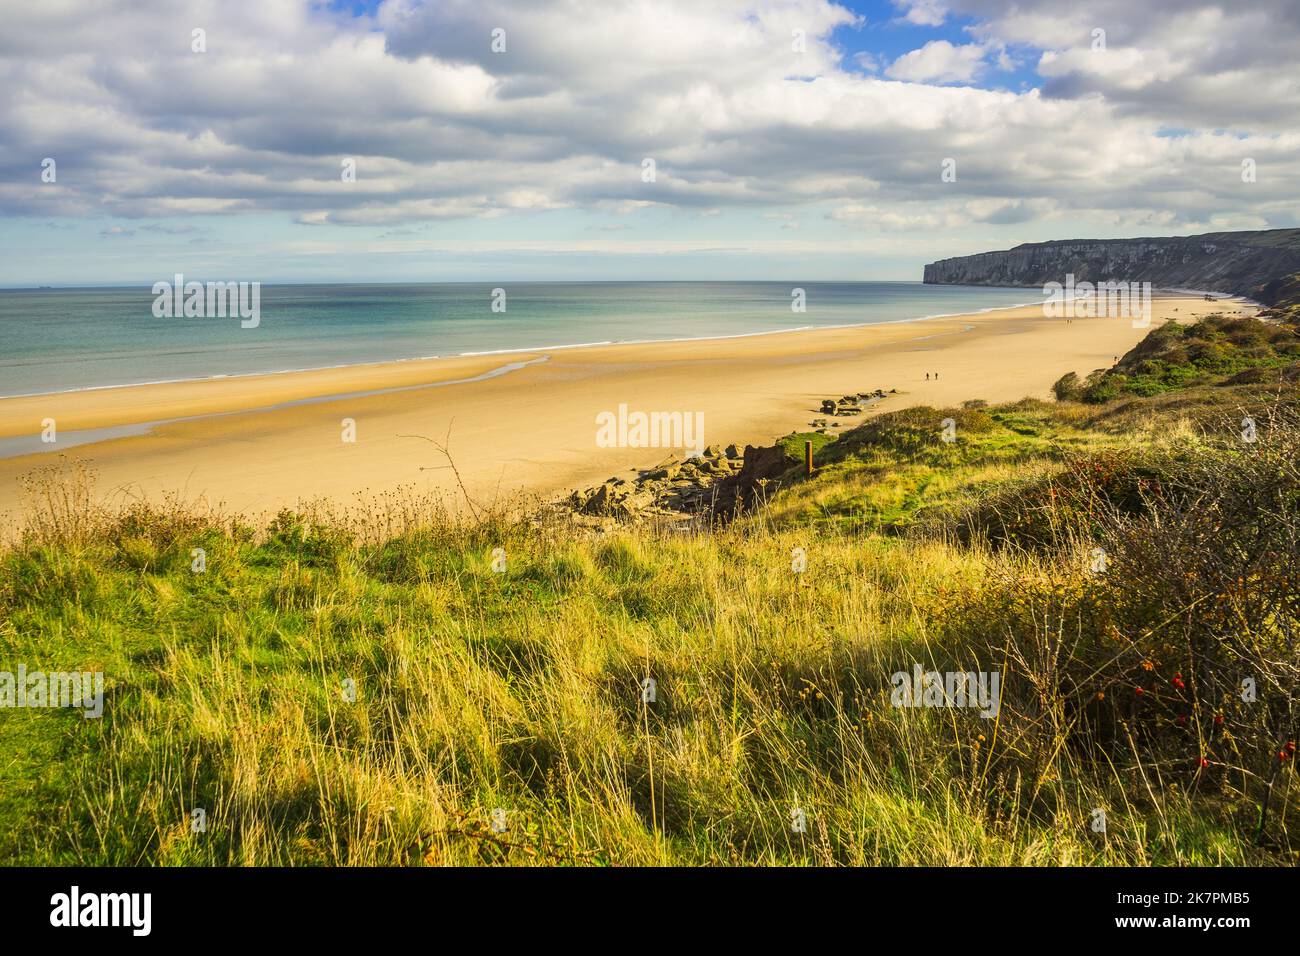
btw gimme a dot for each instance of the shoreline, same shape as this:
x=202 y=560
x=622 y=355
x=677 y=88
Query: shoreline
x=520 y=350
x=512 y=350
x=259 y=442
x=127 y=430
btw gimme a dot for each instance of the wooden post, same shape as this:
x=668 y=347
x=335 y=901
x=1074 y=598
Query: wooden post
x=807 y=459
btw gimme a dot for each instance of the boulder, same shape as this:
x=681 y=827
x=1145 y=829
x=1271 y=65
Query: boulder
x=606 y=496
x=761 y=464
x=635 y=503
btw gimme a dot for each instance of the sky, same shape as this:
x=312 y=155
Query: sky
x=485 y=140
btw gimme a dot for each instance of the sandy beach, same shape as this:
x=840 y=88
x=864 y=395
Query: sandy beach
x=526 y=422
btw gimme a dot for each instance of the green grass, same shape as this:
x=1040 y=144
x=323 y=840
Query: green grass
x=520 y=690
x=1175 y=357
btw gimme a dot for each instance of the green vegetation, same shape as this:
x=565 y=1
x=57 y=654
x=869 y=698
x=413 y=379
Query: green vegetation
x=1263 y=238
x=1215 y=350
x=1283 y=294
x=521 y=690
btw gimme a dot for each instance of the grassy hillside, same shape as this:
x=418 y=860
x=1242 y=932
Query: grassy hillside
x=478 y=689
x=1215 y=351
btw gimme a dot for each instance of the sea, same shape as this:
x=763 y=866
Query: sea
x=66 y=339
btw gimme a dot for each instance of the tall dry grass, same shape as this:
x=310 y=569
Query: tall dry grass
x=478 y=689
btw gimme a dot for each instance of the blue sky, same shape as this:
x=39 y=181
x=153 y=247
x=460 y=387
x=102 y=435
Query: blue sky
x=527 y=163
x=885 y=36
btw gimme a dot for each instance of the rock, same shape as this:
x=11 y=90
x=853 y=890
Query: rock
x=828 y=406
x=636 y=503
x=712 y=483
x=597 y=501
x=764 y=463
x=606 y=496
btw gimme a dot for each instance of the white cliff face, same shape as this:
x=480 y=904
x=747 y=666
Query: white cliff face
x=1220 y=262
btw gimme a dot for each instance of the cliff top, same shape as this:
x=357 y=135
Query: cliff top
x=1271 y=238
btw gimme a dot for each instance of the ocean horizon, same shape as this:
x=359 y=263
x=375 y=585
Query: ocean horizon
x=71 y=339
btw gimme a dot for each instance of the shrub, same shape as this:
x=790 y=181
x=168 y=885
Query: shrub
x=1146 y=664
x=1068 y=388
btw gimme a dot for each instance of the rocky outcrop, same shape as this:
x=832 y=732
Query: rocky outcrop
x=763 y=469
x=1239 y=263
x=675 y=488
x=713 y=484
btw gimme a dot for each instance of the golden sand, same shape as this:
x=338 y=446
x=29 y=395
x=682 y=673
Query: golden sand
x=534 y=428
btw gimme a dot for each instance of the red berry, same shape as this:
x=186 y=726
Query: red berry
x=1204 y=763
x=1218 y=720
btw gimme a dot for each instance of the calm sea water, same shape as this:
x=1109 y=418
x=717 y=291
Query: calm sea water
x=63 y=339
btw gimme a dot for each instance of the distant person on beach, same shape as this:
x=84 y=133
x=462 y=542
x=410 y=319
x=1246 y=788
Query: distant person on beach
x=927 y=376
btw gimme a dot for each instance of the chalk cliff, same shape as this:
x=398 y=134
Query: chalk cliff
x=1242 y=263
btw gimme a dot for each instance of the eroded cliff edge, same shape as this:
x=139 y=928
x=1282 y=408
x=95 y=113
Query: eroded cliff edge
x=1254 y=264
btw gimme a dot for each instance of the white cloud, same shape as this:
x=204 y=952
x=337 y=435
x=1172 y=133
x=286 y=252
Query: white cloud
x=929 y=13
x=440 y=127
x=1189 y=63
x=940 y=62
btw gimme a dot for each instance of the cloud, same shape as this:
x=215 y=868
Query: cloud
x=1210 y=63
x=940 y=62
x=929 y=13
x=440 y=128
